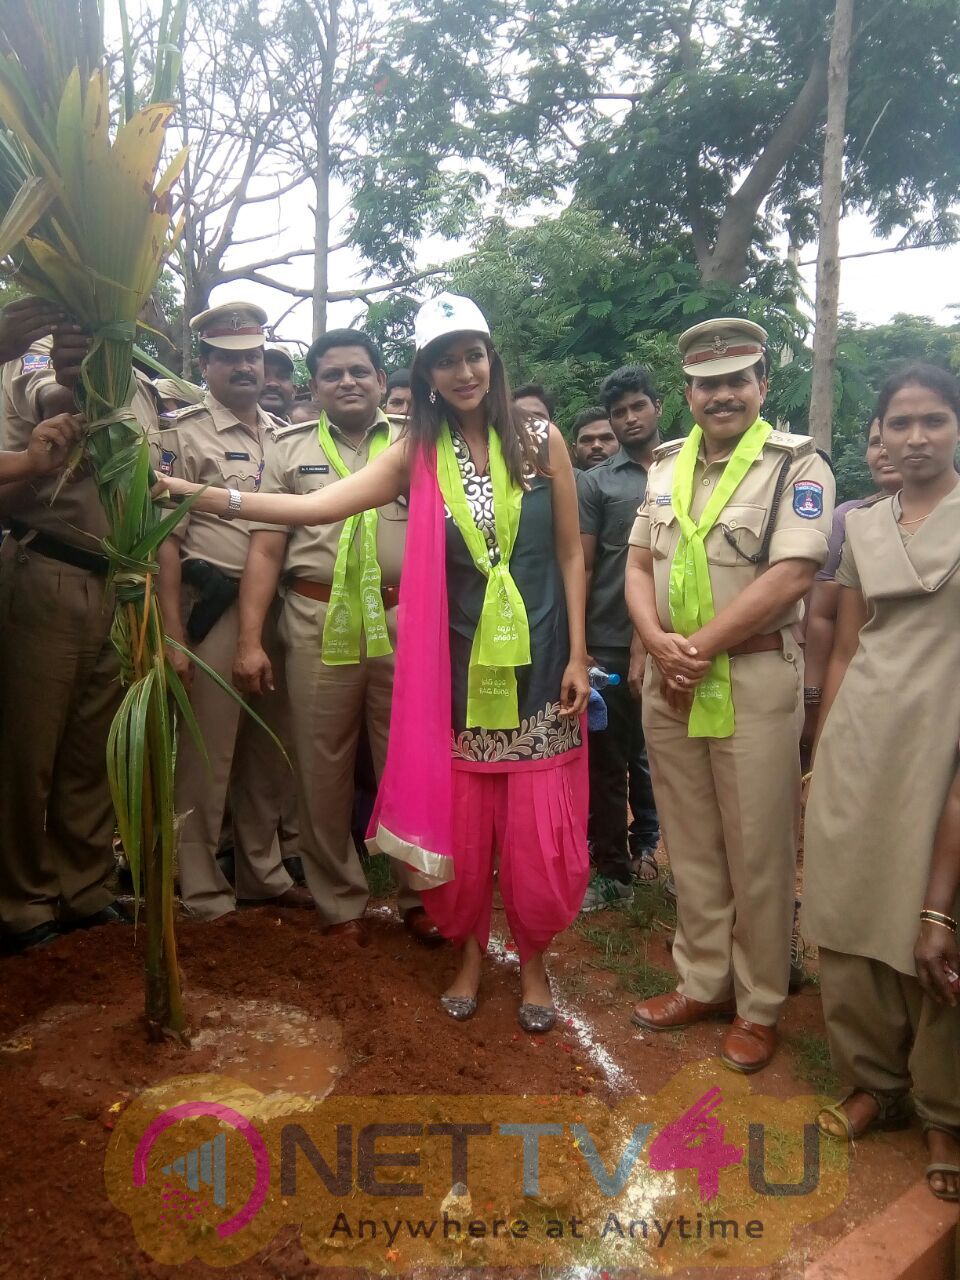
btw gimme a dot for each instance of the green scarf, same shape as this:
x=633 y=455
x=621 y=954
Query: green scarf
x=355 y=597
x=690 y=591
x=501 y=641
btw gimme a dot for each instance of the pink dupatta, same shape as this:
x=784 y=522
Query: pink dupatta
x=413 y=817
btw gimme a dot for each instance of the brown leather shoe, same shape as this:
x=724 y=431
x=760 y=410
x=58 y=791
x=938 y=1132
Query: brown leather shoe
x=417 y=922
x=354 y=931
x=298 y=895
x=672 y=1011
x=748 y=1046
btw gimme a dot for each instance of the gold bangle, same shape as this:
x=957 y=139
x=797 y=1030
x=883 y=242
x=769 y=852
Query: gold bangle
x=937 y=915
x=941 y=924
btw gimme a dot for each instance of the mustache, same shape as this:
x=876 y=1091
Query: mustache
x=733 y=406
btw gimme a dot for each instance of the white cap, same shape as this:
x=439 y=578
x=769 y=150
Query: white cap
x=445 y=314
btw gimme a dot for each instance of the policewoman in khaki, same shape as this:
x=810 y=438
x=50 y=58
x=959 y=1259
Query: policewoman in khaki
x=221 y=442
x=732 y=529
x=340 y=589
x=885 y=762
x=59 y=671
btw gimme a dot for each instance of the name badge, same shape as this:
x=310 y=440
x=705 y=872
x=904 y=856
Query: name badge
x=237 y=457
x=316 y=469
x=663 y=499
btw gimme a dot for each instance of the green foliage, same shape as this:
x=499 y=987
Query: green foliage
x=656 y=113
x=570 y=299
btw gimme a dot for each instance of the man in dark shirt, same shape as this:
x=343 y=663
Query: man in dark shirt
x=592 y=438
x=609 y=497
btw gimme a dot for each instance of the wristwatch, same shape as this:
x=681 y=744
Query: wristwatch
x=234 y=500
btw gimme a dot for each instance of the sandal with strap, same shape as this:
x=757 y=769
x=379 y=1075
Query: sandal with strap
x=893 y=1114
x=645 y=861
x=938 y=1166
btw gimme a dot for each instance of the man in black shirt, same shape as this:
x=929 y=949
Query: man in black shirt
x=592 y=438
x=609 y=497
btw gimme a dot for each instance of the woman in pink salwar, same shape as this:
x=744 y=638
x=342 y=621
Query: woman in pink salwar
x=486 y=767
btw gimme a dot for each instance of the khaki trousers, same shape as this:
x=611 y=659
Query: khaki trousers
x=59 y=691
x=730 y=812
x=243 y=761
x=884 y=1033
x=328 y=705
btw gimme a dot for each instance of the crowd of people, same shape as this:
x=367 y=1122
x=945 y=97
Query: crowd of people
x=420 y=570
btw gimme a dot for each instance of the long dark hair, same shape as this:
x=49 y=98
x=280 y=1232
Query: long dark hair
x=424 y=421
x=929 y=376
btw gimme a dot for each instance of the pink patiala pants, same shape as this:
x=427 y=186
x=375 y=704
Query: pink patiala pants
x=534 y=818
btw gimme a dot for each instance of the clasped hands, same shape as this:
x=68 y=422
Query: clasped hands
x=681 y=668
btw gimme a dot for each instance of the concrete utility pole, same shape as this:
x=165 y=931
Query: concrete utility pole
x=828 y=252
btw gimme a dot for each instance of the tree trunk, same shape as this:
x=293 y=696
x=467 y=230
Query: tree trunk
x=321 y=178
x=828 y=250
x=321 y=244
x=728 y=260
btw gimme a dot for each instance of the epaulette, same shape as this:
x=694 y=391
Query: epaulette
x=172 y=421
x=666 y=449
x=283 y=429
x=187 y=411
x=874 y=499
x=797 y=446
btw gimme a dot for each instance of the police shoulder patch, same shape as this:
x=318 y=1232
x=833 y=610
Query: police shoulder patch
x=167 y=459
x=33 y=362
x=795 y=445
x=188 y=411
x=808 y=499
x=282 y=432
x=667 y=450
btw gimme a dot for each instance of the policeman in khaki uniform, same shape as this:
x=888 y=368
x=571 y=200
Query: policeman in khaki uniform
x=59 y=671
x=222 y=442
x=726 y=544
x=335 y=682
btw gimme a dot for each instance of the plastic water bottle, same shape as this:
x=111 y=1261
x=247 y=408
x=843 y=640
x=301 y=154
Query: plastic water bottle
x=599 y=679
x=597 y=716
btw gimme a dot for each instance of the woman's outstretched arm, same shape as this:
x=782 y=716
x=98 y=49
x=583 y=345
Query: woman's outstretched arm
x=381 y=481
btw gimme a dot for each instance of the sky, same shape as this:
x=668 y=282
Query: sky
x=924 y=282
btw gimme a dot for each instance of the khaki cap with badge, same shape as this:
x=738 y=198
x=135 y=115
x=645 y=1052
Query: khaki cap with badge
x=725 y=345
x=234 y=326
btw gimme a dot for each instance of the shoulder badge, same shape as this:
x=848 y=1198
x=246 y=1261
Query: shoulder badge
x=797 y=446
x=167 y=459
x=667 y=450
x=284 y=429
x=808 y=499
x=34 y=362
x=188 y=411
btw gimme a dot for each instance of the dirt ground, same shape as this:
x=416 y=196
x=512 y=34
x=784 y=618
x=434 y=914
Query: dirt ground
x=73 y=1055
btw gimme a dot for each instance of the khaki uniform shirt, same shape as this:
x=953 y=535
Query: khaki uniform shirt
x=77 y=516
x=800 y=530
x=207 y=444
x=297 y=464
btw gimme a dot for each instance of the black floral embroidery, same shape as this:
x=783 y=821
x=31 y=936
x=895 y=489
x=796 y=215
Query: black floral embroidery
x=478 y=490
x=541 y=736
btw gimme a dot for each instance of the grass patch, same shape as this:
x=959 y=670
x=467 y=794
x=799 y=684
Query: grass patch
x=621 y=940
x=811 y=1061
x=376 y=868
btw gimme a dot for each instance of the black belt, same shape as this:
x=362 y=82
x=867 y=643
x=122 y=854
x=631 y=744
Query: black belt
x=46 y=545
